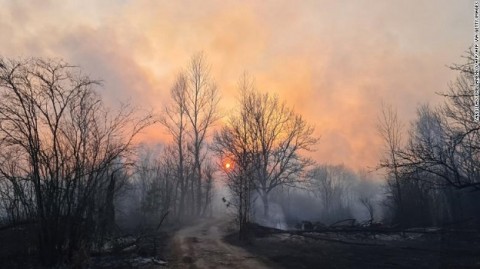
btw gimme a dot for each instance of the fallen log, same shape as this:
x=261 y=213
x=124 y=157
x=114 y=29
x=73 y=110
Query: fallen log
x=344 y=223
x=343 y=241
x=373 y=230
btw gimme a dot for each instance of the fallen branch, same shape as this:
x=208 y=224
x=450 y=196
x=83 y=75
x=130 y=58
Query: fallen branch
x=345 y=222
x=161 y=221
x=376 y=230
x=343 y=241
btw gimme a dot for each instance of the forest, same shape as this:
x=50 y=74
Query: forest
x=248 y=134
x=78 y=189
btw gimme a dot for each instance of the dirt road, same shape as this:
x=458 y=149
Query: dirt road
x=202 y=246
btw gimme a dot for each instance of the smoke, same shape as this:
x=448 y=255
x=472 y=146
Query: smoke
x=276 y=217
x=333 y=61
x=324 y=198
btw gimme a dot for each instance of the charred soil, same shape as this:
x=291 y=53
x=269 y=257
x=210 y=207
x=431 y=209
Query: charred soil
x=362 y=249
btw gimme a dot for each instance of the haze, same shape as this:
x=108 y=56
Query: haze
x=334 y=62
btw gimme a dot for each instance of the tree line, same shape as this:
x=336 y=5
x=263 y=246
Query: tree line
x=68 y=162
x=62 y=152
x=69 y=167
x=433 y=169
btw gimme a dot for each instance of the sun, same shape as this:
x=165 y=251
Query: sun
x=227 y=164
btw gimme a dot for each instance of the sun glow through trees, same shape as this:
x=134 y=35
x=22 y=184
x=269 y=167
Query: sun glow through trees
x=228 y=165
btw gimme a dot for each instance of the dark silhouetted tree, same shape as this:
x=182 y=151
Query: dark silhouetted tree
x=265 y=138
x=58 y=144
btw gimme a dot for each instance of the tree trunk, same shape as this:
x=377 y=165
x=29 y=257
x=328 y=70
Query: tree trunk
x=265 y=205
x=198 y=178
x=109 y=206
x=207 y=201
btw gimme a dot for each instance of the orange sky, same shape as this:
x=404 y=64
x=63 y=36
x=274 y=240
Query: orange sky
x=334 y=62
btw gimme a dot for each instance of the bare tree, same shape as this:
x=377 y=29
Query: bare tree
x=463 y=163
x=188 y=119
x=175 y=121
x=390 y=129
x=441 y=157
x=427 y=148
x=331 y=184
x=209 y=171
x=368 y=204
x=154 y=182
x=271 y=138
x=445 y=142
x=201 y=100
x=58 y=146
x=231 y=146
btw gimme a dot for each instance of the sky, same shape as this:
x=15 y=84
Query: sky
x=335 y=62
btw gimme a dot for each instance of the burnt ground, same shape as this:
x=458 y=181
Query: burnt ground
x=17 y=249
x=213 y=243
x=347 y=249
x=144 y=250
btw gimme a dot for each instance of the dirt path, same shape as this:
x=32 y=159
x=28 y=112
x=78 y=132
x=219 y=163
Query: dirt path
x=202 y=246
